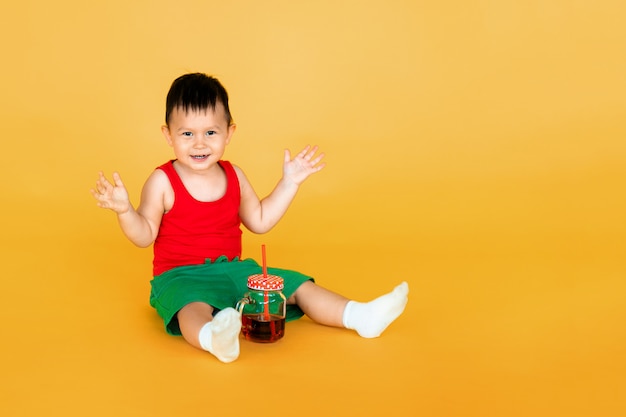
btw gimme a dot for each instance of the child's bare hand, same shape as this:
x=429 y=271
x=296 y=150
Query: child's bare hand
x=304 y=164
x=111 y=196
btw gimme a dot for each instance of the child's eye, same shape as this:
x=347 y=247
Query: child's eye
x=188 y=134
x=211 y=133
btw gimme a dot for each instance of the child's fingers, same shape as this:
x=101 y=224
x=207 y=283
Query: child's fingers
x=101 y=179
x=117 y=179
x=316 y=166
x=318 y=159
x=100 y=187
x=303 y=152
x=309 y=153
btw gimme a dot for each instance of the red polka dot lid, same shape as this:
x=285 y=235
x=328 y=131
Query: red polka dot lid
x=265 y=283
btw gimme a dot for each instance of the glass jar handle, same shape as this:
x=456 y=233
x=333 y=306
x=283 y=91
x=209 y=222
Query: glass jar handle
x=242 y=303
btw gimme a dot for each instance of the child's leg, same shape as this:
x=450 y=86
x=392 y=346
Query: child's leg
x=321 y=305
x=368 y=319
x=218 y=335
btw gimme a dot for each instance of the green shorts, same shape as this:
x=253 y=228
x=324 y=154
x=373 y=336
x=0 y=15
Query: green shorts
x=220 y=283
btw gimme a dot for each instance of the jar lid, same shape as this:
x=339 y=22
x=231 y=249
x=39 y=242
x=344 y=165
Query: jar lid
x=265 y=283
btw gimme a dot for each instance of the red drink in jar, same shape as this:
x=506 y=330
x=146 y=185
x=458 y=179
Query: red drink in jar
x=256 y=328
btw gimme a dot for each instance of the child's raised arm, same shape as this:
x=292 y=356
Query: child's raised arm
x=140 y=226
x=259 y=216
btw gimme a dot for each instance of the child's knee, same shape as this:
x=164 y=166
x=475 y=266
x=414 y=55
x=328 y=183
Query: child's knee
x=293 y=299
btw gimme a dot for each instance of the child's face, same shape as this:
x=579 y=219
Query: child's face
x=199 y=138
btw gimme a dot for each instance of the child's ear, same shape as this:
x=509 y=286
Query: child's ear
x=166 y=132
x=231 y=130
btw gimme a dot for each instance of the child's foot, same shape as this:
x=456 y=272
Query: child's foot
x=371 y=319
x=221 y=336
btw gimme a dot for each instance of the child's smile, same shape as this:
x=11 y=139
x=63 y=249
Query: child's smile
x=200 y=157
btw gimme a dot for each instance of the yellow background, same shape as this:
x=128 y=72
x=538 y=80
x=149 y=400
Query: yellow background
x=474 y=149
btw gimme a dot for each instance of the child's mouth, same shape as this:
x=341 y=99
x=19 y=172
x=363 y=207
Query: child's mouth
x=199 y=157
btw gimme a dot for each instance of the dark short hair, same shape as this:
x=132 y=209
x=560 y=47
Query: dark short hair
x=195 y=92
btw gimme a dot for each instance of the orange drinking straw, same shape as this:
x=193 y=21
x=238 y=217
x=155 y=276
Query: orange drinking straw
x=266 y=306
x=264 y=262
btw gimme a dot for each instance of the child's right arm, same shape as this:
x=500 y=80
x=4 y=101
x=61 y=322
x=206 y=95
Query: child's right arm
x=140 y=226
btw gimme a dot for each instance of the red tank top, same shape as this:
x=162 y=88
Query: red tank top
x=193 y=231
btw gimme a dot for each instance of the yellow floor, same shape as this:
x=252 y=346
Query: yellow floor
x=480 y=337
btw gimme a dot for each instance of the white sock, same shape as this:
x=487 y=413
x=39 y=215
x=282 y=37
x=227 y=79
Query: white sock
x=221 y=336
x=371 y=319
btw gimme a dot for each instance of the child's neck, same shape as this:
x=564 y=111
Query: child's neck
x=203 y=185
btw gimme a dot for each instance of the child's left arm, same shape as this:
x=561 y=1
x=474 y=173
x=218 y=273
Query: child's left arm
x=260 y=216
